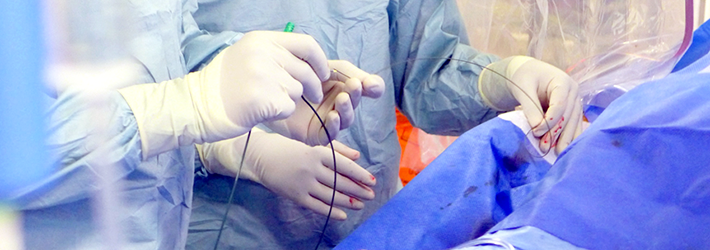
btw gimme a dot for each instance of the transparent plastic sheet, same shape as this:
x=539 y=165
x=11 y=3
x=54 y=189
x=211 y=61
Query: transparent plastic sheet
x=609 y=47
x=422 y=148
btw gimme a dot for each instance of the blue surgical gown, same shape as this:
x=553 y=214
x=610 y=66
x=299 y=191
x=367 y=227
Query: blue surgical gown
x=155 y=195
x=379 y=36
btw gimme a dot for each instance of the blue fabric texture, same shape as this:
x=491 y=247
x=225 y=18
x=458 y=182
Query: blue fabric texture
x=699 y=47
x=636 y=179
x=639 y=177
x=156 y=193
x=438 y=96
x=470 y=187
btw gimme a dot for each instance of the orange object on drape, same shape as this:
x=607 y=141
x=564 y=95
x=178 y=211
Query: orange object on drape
x=404 y=130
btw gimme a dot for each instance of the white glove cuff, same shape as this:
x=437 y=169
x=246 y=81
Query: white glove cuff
x=494 y=88
x=180 y=112
x=162 y=120
x=223 y=157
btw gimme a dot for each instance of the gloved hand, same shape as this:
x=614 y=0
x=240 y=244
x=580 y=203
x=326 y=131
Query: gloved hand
x=342 y=94
x=294 y=170
x=547 y=95
x=259 y=78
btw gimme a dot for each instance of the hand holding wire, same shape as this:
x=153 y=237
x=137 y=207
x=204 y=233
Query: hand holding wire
x=547 y=95
x=279 y=164
x=342 y=93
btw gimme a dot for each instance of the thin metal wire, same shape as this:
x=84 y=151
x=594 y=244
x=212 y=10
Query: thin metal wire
x=340 y=72
x=231 y=194
x=542 y=113
x=335 y=175
x=335 y=170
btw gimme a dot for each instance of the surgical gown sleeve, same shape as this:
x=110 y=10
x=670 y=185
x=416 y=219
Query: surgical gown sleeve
x=199 y=46
x=439 y=96
x=154 y=195
x=70 y=127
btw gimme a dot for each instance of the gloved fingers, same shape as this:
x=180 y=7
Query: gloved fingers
x=347 y=167
x=558 y=106
x=287 y=84
x=525 y=92
x=353 y=87
x=325 y=195
x=343 y=70
x=346 y=186
x=322 y=208
x=345 y=110
x=303 y=73
x=282 y=105
x=549 y=138
x=305 y=48
x=571 y=128
x=332 y=123
x=372 y=85
x=562 y=93
x=552 y=136
x=346 y=151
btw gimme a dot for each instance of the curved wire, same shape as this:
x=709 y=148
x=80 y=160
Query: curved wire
x=542 y=113
x=335 y=171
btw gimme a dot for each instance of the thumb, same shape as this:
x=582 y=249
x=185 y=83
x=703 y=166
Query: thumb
x=280 y=107
x=372 y=85
x=525 y=93
x=525 y=76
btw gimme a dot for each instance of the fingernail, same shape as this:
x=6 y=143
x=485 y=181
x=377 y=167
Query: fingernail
x=341 y=215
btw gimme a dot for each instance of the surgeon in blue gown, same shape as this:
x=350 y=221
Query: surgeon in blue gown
x=154 y=162
x=58 y=212
x=440 y=96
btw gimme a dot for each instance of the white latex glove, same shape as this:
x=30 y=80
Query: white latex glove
x=259 y=78
x=294 y=170
x=342 y=93
x=538 y=87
